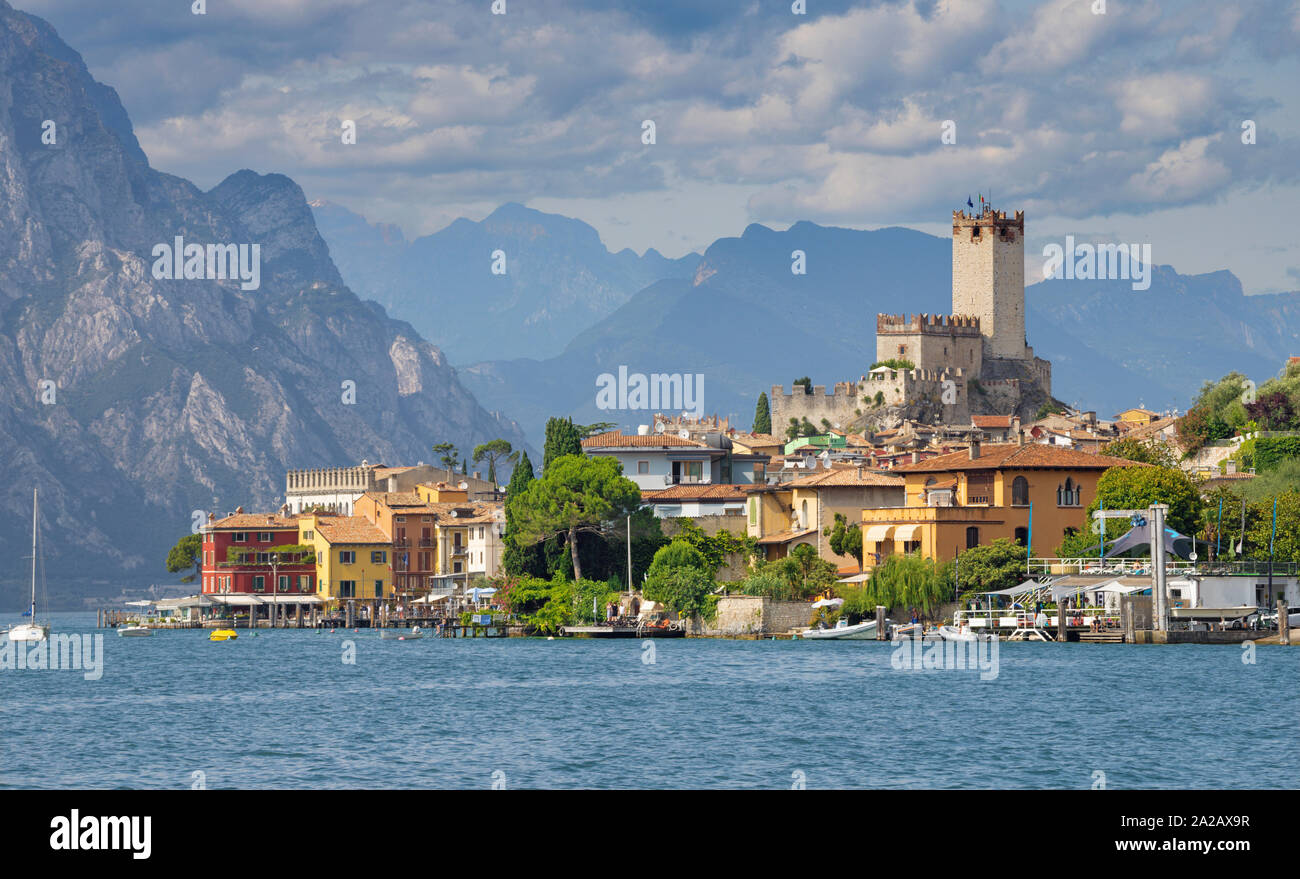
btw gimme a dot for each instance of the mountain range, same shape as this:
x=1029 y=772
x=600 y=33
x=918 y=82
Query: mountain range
x=745 y=321
x=132 y=399
x=518 y=281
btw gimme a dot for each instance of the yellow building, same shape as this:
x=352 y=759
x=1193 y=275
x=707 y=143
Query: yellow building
x=1137 y=416
x=353 y=557
x=784 y=515
x=957 y=501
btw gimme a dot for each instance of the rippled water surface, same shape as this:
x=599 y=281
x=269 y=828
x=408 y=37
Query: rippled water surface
x=283 y=710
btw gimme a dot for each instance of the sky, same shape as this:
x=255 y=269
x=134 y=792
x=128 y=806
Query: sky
x=1123 y=126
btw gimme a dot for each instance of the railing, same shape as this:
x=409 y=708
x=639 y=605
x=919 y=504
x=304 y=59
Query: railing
x=1005 y=618
x=1140 y=567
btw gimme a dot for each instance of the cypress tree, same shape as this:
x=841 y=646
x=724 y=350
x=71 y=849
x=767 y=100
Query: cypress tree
x=561 y=439
x=514 y=558
x=762 y=415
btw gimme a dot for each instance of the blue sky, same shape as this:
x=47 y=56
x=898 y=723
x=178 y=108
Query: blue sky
x=1124 y=126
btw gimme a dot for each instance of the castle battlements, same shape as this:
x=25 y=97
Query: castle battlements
x=935 y=324
x=974 y=224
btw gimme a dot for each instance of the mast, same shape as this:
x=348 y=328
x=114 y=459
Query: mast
x=33 y=609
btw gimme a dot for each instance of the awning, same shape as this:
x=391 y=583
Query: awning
x=430 y=599
x=197 y=601
x=1027 y=586
x=855 y=578
x=907 y=532
x=877 y=533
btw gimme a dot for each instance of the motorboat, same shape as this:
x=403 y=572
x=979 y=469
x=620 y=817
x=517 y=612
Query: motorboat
x=963 y=633
x=842 y=631
x=134 y=631
x=223 y=635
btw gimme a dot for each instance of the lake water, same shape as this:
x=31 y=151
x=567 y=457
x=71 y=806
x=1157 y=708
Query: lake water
x=284 y=710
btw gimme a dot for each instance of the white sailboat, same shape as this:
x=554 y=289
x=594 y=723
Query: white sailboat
x=33 y=631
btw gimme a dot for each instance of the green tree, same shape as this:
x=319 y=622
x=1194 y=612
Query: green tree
x=187 y=553
x=806 y=572
x=1136 y=488
x=991 y=566
x=680 y=577
x=845 y=538
x=894 y=363
x=901 y=581
x=762 y=415
x=806 y=381
x=586 y=430
x=1142 y=451
x=515 y=558
x=562 y=438
x=575 y=494
x=493 y=451
x=448 y=455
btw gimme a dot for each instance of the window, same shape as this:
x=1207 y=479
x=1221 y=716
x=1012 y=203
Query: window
x=240 y=537
x=379 y=589
x=265 y=537
x=399 y=518
x=378 y=557
x=1069 y=495
x=308 y=535
x=972 y=537
x=304 y=583
x=259 y=583
x=456 y=568
x=753 y=511
x=264 y=558
x=1020 y=492
x=347 y=588
x=1022 y=536
x=347 y=557
x=282 y=583
x=642 y=467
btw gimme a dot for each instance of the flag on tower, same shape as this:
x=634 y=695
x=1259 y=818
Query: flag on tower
x=969 y=203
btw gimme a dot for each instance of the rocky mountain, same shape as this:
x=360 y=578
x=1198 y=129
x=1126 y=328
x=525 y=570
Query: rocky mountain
x=746 y=322
x=556 y=277
x=132 y=398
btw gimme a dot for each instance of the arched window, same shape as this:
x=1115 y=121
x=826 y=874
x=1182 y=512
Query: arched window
x=803 y=516
x=1020 y=492
x=1070 y=494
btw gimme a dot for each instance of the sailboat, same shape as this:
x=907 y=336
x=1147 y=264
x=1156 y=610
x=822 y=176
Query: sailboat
x=32 y=631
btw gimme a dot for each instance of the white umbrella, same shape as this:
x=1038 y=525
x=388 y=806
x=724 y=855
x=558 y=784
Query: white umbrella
x=828 y=602
x=484 y=591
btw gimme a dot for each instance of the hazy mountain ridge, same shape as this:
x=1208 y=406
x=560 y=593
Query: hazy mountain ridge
x=558 y=279
x=747 y=323
x=172 y=395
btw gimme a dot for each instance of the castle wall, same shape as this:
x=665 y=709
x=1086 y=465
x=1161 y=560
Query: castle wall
x=931 y=342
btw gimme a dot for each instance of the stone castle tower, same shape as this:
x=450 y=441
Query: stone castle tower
x=974 y=361
x=988 y=278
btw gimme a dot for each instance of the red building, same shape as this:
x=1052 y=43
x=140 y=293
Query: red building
x=237 y=556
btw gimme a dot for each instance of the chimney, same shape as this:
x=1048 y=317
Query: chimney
x=916 y=457
x=974 y=447
x=1020 y=437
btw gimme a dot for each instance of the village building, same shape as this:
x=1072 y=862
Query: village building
x=241 y=569
x=353 y=557
x=656 y=461
x=784 y=515
x=961 y=500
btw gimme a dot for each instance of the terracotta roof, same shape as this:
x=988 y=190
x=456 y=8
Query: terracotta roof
x=397 y=498
x=991 y=420
x=385 y=472
x=846 y=476
x=1149 y=429
x=616 y=440
x=255 y=522
x=758 y=439
x=716 y=491
x=350 y=529
x=1011 y=456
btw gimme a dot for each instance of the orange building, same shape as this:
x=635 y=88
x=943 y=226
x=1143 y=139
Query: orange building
x=957 y=501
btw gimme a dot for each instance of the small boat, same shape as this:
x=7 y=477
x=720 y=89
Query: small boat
x=413 y=634
x=963 y=633
x=223 y=635
x=842 y=631
x=907 y=630
x=34 y=631
x=134 y=631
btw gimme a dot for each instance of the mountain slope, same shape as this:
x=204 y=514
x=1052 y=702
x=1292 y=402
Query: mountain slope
x=558 y=279
x=171 y=396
